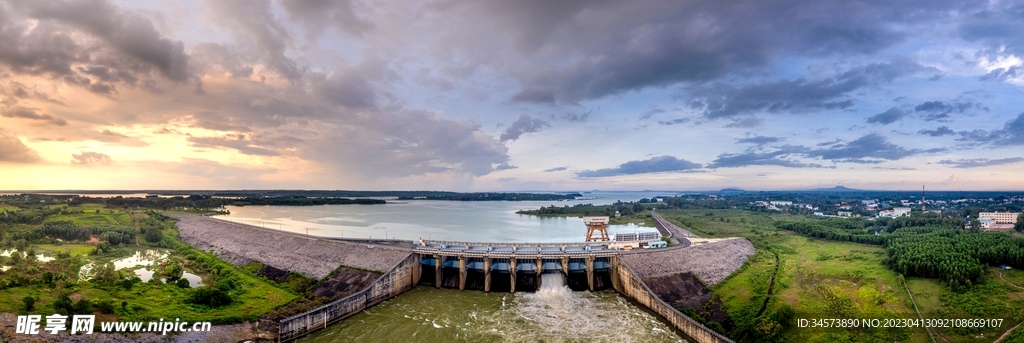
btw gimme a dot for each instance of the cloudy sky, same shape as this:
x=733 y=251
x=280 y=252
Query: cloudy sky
x=511 y=95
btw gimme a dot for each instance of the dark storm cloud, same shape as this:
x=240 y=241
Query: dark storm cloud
x=997 y=25
x=980 y=162
x=525 y=124
x=760 y=140
x=13 y=150
x=536 y=96
x=555 y=169
x=126 y=32
x=799 y=95
x=504 y=166
x=349 y=87
x=601 y=48
x=940 y=111
x=869 y=149
x=676 y=121
x=653 y=165
x=318 y=15
x=888 y=117
x=759 y=158
x=254 y=22
x=31 y=113
x=1002 y=74
x=1011 y=134
x=746 y=123
x=89 y=158
x=407 y=142
x=940 y=131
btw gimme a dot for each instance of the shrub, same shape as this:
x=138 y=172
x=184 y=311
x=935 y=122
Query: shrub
x=210 y=296
x=182 y=283
x=30 y=303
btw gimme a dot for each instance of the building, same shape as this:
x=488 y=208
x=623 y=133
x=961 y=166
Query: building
x=845 y=214
x=782 y=203
x=1000 y=217
x=895 y=212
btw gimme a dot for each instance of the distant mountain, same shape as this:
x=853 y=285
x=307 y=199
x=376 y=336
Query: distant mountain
x=731 y=190
x=838 y=189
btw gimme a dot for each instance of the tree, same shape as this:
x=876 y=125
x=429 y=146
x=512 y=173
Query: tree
x=975 y=225
x=30 y=303
x=173 y=271
x=107 y=274
x=1019 y=226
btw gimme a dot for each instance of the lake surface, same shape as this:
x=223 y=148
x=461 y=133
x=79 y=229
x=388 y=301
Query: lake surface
x=480 y=221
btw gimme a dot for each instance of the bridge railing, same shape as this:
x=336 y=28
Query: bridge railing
x=525 y=253
x=514 y=244
x=396 y=281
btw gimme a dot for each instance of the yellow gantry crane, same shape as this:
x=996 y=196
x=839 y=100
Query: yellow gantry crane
x=597 y=225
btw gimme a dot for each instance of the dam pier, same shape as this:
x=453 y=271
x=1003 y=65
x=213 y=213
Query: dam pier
x=508 y=267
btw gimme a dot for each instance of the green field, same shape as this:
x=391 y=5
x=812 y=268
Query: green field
x=125 y=296
x=91 y=215
x=73 y=249
x=826 y=279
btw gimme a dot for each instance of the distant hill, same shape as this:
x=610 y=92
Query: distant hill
x=837 y=189
x=731 y=190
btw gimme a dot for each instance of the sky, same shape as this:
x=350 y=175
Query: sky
x=511 y=95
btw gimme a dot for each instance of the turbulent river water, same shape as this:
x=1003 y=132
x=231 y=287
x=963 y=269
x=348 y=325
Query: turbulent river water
x=552 y=314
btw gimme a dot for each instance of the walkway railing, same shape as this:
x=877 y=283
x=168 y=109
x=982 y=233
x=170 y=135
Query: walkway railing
x=396 y=281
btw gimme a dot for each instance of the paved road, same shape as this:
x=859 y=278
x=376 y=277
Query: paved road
x=678 y=235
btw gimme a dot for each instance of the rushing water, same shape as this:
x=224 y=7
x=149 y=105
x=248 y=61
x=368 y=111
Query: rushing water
x=552 y=314
x=429 y=219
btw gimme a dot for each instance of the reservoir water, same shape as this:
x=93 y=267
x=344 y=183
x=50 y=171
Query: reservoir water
x=480 y=221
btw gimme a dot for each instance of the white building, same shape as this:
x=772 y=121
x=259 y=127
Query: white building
x=782 y=203
x=1000 y=217
x=895 y=212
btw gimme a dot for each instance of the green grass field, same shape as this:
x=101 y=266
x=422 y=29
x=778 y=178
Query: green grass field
x=827 y=279
x=92 y=215
x=73 y=249
x=252 y=296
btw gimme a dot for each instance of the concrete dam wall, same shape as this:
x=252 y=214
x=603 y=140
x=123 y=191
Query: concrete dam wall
x=630 y=285
x=402 y=277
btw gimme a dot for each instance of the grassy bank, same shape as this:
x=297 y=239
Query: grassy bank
x=57 y=286
x=819 y=278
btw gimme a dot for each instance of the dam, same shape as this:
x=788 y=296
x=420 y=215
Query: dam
x=482 y=268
